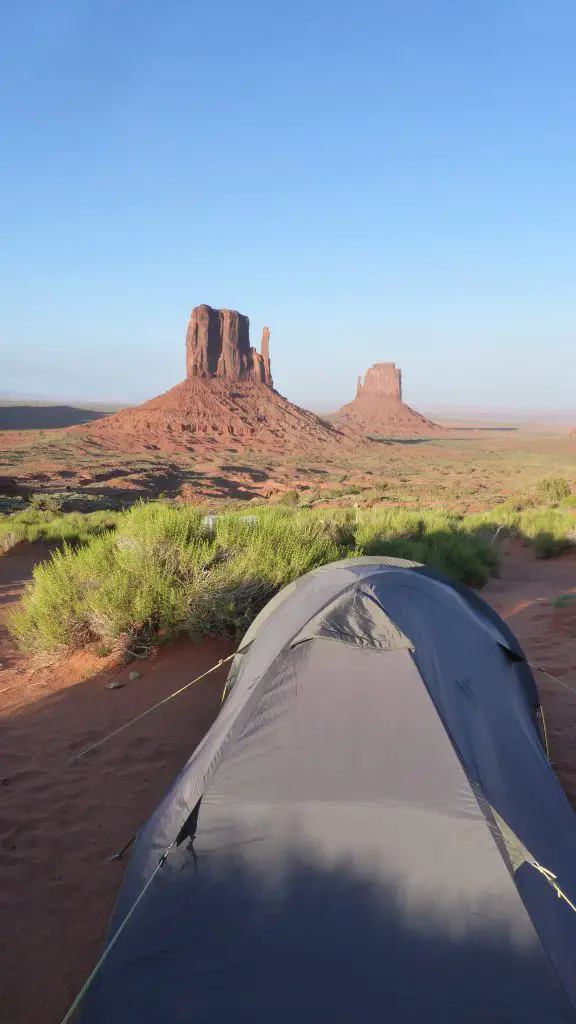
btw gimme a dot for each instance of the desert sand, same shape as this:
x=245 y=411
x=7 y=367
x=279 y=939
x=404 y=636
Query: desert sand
x=524 y=597
x=60 y=823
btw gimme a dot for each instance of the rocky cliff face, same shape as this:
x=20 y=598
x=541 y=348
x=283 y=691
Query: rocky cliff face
x=382 y=380
x=218 y=345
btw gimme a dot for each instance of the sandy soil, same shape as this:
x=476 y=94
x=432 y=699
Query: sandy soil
x=467 y=470
x=60 y=823
x=524 y=596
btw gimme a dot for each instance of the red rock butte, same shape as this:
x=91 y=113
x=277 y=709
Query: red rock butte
x=378 y=407
x=218 y=345
x=227 y=399
x=382 y=379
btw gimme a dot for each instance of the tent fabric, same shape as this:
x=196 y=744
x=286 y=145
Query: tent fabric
x=360 y=827
x=356 y=618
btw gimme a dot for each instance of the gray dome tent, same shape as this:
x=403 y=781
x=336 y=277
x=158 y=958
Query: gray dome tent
x=369 y=831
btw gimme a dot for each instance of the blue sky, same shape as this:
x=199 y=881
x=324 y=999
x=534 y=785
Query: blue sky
x=374 y=180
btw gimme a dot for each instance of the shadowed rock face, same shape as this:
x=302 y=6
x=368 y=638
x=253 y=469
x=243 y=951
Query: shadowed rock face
x=218 y=345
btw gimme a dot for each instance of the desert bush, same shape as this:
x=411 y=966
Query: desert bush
x=46 y=502
x=552 y=488
x=33 y=524
x=135 y=576
x=165 y=569
x=549 y=531
x=8 y=540
x=311 y=495
x=517 y=503
x=437 y=539
x=569 y=501
x=289 y=498
x=341 y=492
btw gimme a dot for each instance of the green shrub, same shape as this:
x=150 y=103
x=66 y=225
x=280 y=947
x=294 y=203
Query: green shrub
x=552 y=488
x=8 y=540
x=33 y=524
x=517 y=503
x=162 y=569
x=140 y=575
x=569 y=501
x=547 y=546
x=313 y=494
x=289 y=498
x=165 y=569
x=549 y=531
x=46 y=502
x=436 y=539
x=329 y=493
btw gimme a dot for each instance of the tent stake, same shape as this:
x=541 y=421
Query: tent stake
x=120 y=853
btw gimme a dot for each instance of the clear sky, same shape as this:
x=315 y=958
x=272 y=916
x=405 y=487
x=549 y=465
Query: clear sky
x=386 y=180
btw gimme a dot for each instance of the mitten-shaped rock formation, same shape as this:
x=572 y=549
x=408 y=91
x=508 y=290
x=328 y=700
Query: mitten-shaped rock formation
x=218 y=345
x=227 y=400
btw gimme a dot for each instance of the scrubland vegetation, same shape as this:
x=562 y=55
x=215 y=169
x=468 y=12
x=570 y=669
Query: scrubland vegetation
x=136 y=577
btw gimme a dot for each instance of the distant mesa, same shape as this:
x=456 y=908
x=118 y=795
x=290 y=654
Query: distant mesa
x=378 y=408
x=228 y=399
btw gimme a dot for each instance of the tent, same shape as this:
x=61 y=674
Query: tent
x=370 y=831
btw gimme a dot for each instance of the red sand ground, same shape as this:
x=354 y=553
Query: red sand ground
x=523 y=596
x=60 y=823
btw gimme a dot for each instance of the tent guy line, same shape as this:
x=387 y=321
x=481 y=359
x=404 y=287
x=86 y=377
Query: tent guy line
x=143 y=714
x=74 y=1006
x=567 y=686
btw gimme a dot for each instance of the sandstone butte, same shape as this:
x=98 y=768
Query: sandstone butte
x=378 y=408
x=227 y=400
